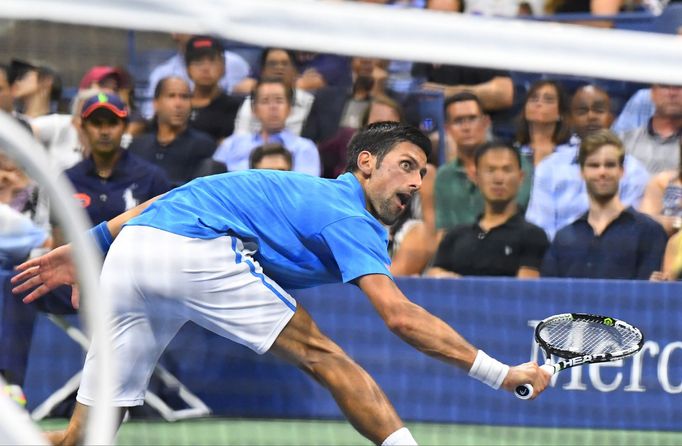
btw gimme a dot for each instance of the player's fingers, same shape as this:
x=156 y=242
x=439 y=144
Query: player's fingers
x=27 y=284
x=28 y=264
x=75 y=297
x=36 y=294
x=22 y=276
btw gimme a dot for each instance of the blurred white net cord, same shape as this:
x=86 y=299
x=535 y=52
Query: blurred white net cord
x=371 y=30
x=17 y=142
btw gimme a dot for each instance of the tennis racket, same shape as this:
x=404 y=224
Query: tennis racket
x=583 y=339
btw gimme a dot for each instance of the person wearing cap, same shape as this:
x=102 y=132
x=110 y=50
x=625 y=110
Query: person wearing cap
x=271 y=106
x=213 y=110
x=182 y=152
x=111 y=180
x=236 y=70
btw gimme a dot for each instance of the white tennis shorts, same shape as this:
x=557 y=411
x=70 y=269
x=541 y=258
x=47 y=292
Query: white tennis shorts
x=157 y=281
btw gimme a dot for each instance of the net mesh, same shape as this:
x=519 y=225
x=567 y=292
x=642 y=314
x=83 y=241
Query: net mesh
x=579 y=337
x=212 y=391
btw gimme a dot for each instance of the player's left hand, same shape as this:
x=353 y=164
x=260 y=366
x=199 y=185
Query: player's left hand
x=45 y=273
x=527 y=373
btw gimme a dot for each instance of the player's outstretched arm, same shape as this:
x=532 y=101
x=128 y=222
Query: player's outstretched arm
x=432 y=336
x=55 y=268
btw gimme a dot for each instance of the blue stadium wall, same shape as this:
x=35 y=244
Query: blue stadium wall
x=497 y=315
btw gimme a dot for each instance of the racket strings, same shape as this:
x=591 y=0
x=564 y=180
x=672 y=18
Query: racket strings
x=582 y=337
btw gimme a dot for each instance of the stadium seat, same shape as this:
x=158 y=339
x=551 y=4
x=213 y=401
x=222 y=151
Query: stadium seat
x=195 y=406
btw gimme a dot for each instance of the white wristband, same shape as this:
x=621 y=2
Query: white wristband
x=488 y=370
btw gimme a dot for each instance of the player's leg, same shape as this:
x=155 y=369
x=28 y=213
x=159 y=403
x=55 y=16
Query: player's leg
x=143 y=322
x=357 y=394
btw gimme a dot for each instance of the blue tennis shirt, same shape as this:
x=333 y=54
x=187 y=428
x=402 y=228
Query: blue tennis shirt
x=309 y=230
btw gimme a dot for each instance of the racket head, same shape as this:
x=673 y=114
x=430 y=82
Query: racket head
x=571 y=335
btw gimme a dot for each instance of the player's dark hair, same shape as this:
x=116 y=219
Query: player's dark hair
x=380 y=138
x=495 y=145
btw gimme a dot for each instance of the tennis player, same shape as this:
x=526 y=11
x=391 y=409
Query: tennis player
x=220 y=251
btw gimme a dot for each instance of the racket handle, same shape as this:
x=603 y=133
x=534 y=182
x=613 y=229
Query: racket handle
x=525 y=391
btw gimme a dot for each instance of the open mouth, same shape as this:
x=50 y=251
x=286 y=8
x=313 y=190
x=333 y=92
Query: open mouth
x=404 y=198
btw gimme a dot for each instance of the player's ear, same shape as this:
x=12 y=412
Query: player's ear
x=366 y=162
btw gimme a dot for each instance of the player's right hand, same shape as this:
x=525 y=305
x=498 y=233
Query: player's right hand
x=45 y=273
x=527 y=373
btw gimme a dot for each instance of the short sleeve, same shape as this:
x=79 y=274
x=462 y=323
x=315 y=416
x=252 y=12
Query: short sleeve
x=358 y=247
x=534 y=248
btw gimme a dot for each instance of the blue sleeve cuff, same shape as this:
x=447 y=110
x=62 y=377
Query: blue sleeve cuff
x=102 y=236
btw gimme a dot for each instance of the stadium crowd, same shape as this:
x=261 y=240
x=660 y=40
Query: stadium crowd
x=556 y=178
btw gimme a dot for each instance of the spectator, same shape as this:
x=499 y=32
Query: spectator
x=458 y=199
x=543 y=124
x=322 y=70
x=36 y=89
x=656 y=144
x=107 y=183
x=278 y=63
x=271 y=106
x=333 y=150
x=18 y=234
x=611 y=240
x=637 y=112
x=338 y=110
x=213 y=111
x=672 y=261
x=271 y=156
x=182 y=152
x=559 y=195
x=494 y=88
x=663 y=199
x=501 y=242
x=6 y=98
x=118 y=81
x=236 y=70
x=111 y=180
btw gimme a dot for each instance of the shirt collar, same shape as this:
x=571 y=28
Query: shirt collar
x=650 y=130
x=285 y=137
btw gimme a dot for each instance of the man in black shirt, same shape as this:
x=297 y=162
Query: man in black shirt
x=213 y=111
x=182 y=152
x=501 y=242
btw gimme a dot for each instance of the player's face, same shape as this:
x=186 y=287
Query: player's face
x=394 y=181
x=499 y=176
x=103 y=131
x=602 y=173
x=173 y=105
x=590 y=111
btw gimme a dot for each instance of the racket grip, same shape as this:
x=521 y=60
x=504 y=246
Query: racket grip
x=525 y=391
